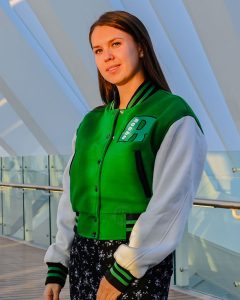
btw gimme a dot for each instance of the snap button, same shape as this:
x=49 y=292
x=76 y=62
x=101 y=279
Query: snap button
x=96 y=188
x=99 y=161
x=94 y=234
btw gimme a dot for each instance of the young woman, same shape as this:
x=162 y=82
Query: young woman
x=129 y=186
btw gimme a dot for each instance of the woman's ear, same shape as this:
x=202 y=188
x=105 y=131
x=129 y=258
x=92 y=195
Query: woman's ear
x=140 y=51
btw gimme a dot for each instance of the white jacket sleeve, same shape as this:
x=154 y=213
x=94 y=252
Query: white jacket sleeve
x=177 y=173
x=58 y=252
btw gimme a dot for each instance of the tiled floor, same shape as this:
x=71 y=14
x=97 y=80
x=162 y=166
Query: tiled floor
x=22 y=273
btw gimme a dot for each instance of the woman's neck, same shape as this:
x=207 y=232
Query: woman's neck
x=127 y=90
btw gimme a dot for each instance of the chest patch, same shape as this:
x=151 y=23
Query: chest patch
x=137 y=129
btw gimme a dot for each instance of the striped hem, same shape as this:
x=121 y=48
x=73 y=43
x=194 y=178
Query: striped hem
x=57 y=273
x=130 y=224
x=119 y=277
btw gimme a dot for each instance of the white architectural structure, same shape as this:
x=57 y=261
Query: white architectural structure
x=48 y=82
x=48 y=77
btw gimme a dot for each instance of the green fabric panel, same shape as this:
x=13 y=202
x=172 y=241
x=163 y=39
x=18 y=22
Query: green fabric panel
x=87 y=225
x=112 y=225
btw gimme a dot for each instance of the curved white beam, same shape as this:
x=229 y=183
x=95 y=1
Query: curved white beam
x=220 y=40
x=13 y=130
x=33 y=88
x=63 y=63
x=70 y=38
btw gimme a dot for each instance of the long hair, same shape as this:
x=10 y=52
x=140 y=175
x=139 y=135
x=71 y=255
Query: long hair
x=127 y=22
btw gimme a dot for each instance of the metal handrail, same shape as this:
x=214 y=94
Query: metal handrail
x=217 y=203
x=197 y=201
x=32 y=187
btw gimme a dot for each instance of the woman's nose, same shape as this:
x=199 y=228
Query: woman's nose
x=108 y=56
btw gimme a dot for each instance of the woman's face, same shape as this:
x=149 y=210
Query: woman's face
x=117 y=55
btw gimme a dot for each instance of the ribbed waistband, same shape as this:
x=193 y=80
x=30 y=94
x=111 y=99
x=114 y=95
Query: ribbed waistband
x=106 y=226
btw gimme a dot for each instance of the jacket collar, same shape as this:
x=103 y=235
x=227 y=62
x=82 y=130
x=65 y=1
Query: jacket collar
x=146 y=89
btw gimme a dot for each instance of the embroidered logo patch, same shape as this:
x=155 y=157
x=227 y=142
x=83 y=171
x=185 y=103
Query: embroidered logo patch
x=137 y=129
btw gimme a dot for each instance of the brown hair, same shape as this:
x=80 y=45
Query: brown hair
x=127 y=22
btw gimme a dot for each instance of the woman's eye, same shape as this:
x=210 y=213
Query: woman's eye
x=116 y=44
x=98 y=51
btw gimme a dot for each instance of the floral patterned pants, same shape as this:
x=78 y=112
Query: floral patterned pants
x=89 y=261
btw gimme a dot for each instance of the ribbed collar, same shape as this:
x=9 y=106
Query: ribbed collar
x=146 y=89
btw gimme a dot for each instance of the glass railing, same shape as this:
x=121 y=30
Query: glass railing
x=30 y=213
x=207 y=259
x=221 y=177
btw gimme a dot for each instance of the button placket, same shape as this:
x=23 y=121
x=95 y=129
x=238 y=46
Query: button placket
x=109 y=138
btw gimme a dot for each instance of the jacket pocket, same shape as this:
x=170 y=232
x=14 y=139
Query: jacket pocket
x=142 y=174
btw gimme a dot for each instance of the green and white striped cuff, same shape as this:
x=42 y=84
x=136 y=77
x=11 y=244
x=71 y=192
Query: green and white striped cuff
x=119 y=277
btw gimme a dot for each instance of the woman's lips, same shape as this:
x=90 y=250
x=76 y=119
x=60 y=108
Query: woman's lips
x=113 y=68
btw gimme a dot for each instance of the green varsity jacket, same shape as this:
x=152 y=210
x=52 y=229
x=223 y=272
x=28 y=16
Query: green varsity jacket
x=112 y=168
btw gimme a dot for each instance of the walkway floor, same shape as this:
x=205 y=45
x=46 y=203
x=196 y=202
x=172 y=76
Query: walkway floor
x=22 y=273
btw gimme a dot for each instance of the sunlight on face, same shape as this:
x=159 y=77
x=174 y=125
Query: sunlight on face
x=117 y=55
